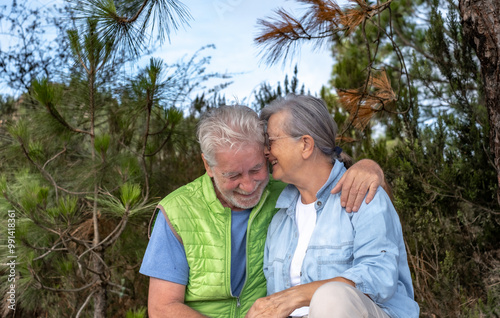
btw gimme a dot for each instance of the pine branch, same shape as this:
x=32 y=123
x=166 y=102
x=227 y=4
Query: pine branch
x=324 y=18
x=52 y=249
x=363 y=105
x=149 y=106
x=130 y=30
x=59 y=290
x=112 y=237
x=46 y=174
x=47 y=96
x=411 y=44
x=165 y=141
x=124 y=20
x=401 y=60
x=167 y=123
x=87 y=300
x=54 y=157
x=55 y=114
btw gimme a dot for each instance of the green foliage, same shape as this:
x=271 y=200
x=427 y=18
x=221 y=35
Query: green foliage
x=88 y=48
x=349 y=71
x=137 y=313
x=19 y=130
x=130 y=29
x=489 y=308
x=83 y=162
x=101 y=144
x=45 y=93
x=267 y=93
x=444 y=224
x=68 y=206
x=129 y=194
x=439 y=166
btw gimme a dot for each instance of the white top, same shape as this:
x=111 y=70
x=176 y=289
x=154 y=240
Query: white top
x=305 y=216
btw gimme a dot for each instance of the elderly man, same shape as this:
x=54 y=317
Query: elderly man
x=205 y=254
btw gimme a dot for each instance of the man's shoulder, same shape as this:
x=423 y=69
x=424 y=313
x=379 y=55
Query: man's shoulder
x=275 y=185
x=188 y=193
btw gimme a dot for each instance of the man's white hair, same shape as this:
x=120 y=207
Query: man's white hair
x=228 y=128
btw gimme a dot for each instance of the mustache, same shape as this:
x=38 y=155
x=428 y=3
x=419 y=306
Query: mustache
x=239 y=191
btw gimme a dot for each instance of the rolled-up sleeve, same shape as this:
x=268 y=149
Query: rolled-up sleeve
x=376 y=250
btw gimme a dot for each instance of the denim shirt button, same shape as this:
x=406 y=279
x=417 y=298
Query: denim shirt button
x=319 y=204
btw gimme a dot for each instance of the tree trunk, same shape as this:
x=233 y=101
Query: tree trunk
x=100 y=296
x=481 y=24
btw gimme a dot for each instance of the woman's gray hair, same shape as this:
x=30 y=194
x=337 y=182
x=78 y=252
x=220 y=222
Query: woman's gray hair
x=309 y=115
x=228 y=127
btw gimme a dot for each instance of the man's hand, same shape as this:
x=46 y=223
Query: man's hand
x=365 y=175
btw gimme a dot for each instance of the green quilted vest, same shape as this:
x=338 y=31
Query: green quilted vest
x=204 y=227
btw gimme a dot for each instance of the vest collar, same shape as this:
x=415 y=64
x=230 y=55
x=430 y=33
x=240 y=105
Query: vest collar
x=210 y=196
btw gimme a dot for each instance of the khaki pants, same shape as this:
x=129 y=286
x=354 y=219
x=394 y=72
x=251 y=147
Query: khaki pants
x=337 y=300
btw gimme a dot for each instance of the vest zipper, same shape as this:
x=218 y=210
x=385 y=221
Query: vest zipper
x=249 y=225
x=228 y=250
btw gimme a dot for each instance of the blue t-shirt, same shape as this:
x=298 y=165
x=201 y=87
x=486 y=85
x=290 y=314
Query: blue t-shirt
x=239 y=222
x=174 y=267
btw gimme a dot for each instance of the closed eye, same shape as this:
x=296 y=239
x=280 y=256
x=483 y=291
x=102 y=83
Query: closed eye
x=257 y=168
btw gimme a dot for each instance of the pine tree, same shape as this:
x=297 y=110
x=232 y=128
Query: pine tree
x=85 y=158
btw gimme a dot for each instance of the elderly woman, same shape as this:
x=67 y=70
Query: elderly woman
x=319 y=260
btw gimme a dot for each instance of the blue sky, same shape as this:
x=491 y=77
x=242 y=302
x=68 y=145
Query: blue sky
x=231 y=25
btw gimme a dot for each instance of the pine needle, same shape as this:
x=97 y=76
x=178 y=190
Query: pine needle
x=363 y=105
x=281 y=34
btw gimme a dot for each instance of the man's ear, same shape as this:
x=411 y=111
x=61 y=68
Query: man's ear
x=207 y=167
x=307 y=146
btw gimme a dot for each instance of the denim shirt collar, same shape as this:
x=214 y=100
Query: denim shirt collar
x=290 y=194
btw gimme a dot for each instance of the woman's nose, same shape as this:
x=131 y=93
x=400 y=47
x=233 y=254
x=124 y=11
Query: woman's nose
x=266 y=152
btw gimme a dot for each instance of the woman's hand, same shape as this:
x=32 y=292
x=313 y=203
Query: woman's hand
x=283 y=303
x=278 y=305
x=268 y=307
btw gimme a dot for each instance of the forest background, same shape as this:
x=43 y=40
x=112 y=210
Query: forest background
x=87 y=149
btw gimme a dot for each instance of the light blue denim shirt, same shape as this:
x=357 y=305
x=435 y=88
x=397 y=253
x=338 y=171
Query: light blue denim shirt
x=365 y=247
